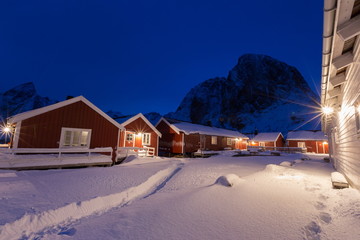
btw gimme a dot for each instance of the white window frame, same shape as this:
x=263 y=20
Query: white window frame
x=146 y=139
x=72 y=130
x=214 y=140
x=129 y=134
x=301 y=144
x=261 y=144
x=229 y=141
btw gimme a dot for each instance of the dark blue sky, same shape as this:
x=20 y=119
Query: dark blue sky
x=142 y=56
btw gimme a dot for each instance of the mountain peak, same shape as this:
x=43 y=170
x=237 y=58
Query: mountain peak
x=21 y=98
x=257 y=87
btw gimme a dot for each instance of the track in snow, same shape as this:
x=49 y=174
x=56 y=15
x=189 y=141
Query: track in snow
x=32 y=224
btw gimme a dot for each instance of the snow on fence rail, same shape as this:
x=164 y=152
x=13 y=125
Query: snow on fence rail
x=59 y=151
x=281 y=149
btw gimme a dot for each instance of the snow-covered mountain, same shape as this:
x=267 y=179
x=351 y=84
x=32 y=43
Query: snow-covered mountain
x=20 y=99
x=260 y=92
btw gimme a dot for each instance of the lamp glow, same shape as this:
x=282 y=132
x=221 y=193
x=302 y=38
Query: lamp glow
x=327 y=110
x=6 y=129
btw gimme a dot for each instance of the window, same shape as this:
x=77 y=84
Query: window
x=228 y=140
x=146 y=138
x=301 y=145
x=262 y=144
x=129 y=137
x=75 y=137
x=213 y=140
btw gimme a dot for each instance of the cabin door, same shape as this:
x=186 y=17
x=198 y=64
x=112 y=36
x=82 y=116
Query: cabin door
x=129 y=139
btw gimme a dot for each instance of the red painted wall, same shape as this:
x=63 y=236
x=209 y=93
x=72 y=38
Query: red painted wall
x=170 y=142
x=311 y=145
x=44 y=130
x=280 y=142
x=192 y=143
x=242 y=145
x=140 y=126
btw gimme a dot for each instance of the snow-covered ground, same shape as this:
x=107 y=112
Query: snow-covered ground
x=168 y=198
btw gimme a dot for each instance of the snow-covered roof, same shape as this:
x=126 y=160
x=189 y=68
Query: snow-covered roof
x=191 y=128
x=306 y=135
x=266 y=137
x=32 y=113
x=128 y=119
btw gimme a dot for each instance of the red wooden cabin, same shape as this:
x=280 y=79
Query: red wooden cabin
x=313 y=141
x=183 y=138
x=268 y=139
x=139 y=133
x=74 y=123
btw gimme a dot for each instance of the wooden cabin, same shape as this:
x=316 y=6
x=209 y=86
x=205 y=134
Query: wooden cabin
x=72 y=124
x=186 y=138
x=312 y=141
x=269 y=140
x=340 y=86
x=139 y=134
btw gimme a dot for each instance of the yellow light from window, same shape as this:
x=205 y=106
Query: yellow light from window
x=325 y=143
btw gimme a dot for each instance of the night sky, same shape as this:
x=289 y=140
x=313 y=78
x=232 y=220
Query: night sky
x=141 y=56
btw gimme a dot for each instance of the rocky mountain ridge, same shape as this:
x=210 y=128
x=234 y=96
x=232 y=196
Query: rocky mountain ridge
x=260 y=93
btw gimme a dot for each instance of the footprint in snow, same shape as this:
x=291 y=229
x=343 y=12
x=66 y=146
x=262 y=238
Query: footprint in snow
x=325 y=217
x=312 y=231
x=68 y=232
x=323 y=197
x=320 y=206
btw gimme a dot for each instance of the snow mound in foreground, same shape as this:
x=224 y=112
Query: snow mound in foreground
x=273 y=168
x=286 y=164
x=229 y=180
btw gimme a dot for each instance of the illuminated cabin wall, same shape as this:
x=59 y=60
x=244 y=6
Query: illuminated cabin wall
x=139 y=126
x=344 y=138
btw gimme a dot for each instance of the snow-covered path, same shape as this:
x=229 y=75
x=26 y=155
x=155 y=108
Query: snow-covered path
x=272 y=201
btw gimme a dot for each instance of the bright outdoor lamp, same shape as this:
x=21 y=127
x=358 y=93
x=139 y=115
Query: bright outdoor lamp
x=6 y=129
x=327 y=110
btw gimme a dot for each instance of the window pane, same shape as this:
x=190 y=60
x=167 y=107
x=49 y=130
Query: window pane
x=146 y=138
x=213 y=140
x=67 y=138
x=129 y=137
x=301 y=144
x=84 y=138
x=76 y=138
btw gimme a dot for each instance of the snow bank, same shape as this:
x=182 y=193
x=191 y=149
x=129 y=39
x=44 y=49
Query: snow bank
x=229 y=180
x=286 y=164
x=33 y=223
